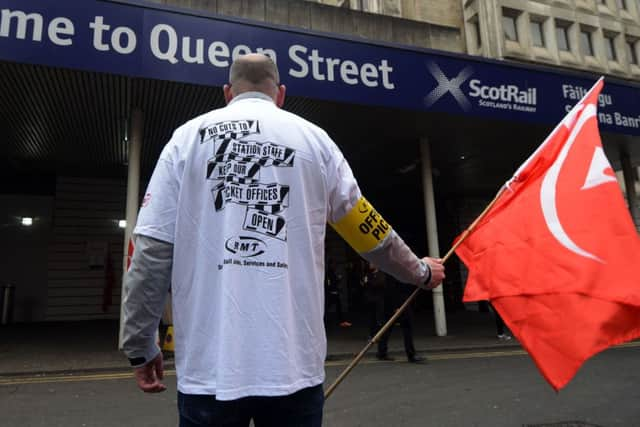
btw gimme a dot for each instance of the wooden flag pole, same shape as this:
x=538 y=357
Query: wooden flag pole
x=408 y=301
x=371 y=342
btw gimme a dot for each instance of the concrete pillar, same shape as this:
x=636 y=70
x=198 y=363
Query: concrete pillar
x=630 y=185
x=136 y=123
x=432 y=234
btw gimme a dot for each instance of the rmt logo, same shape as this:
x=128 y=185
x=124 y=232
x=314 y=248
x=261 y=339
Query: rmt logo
x=245 y=246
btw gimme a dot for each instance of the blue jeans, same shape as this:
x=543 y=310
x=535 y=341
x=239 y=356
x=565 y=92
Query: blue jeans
x=300 y=409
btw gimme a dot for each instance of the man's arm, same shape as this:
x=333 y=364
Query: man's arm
x=374 y=239
x=146 y=287
x=360 y=225
x=394 y=257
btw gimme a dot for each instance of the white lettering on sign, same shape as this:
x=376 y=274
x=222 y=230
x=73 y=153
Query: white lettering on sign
x=218 y=53
x=173 y=45
x=61 y=27
x=98 y=28
x=331 y=69
x=123 y=39
x=19 y=22
x=168 y=46
x=169 y=52
x=198 y=57
x=504 y=93
x=578 y=92
x=627 y=121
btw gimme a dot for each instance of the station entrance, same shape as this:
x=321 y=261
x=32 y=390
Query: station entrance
x=65 y=164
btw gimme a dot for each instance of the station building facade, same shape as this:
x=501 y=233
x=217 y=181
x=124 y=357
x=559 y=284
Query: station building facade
x=432 y=120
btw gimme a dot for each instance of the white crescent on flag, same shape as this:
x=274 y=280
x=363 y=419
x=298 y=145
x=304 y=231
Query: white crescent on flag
x=550 y=181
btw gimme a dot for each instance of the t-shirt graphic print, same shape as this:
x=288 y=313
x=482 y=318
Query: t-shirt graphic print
x=235 y=169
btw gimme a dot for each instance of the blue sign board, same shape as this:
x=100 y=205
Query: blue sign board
x=141 y=40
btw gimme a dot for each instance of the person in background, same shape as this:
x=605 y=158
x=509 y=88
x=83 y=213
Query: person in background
x=500 y=327
x=402 y=292
x=332 y=292
x=384 y=295
x=374 y=283
x=355 y=271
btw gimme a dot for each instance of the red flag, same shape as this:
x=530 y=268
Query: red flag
x=558 y=255
x=130 y=249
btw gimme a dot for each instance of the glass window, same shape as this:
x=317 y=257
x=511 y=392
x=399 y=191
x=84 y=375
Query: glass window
x=610 y=48
x=537 y=34
x=586 y=44
x=622 y=4
x=632 y=56
x=509 y=26
x=562 y=36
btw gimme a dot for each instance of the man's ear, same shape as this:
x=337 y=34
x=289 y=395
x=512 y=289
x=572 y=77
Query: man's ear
x=282 y=90
x=228 y=96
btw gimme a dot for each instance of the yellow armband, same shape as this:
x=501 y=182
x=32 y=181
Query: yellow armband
x=362 y=227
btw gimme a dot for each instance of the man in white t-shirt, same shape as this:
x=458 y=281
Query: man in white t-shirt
x=234 y=220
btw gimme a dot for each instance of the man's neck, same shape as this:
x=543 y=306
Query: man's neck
x=251 y=94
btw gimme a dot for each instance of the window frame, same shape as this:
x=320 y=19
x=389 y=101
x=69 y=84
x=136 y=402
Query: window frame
x=511 y=16
x=475 y=23
x=632 y=53
x=537 y=23
x=589 y=38
x=610 y=51
x=563 y=27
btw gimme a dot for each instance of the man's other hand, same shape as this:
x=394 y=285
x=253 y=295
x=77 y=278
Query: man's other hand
x=149 y=376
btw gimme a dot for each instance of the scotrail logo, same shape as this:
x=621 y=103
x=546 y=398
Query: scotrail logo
x=446 y=85
x=505 y=96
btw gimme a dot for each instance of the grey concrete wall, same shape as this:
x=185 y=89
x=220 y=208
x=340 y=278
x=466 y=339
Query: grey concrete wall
x=439 y=12
x=444 y=35
x=85 y=251
x=447 y=13
x=603 y=19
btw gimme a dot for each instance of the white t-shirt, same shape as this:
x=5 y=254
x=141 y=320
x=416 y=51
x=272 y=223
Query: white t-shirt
x=244 y=194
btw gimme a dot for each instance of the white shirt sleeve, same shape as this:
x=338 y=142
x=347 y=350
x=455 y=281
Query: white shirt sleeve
x=157 y=217
x=341 y=184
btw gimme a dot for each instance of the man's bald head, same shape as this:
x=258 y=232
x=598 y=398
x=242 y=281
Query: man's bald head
x=254 y=72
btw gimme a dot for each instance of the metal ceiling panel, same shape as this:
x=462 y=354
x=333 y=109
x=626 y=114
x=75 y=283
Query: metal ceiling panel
x=57 y=118
x=75 y=123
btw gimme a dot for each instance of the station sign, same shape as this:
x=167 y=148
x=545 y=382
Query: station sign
x=154 y=41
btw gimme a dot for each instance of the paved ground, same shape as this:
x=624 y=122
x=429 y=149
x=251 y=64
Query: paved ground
x=495 y=388
x=92 y=345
